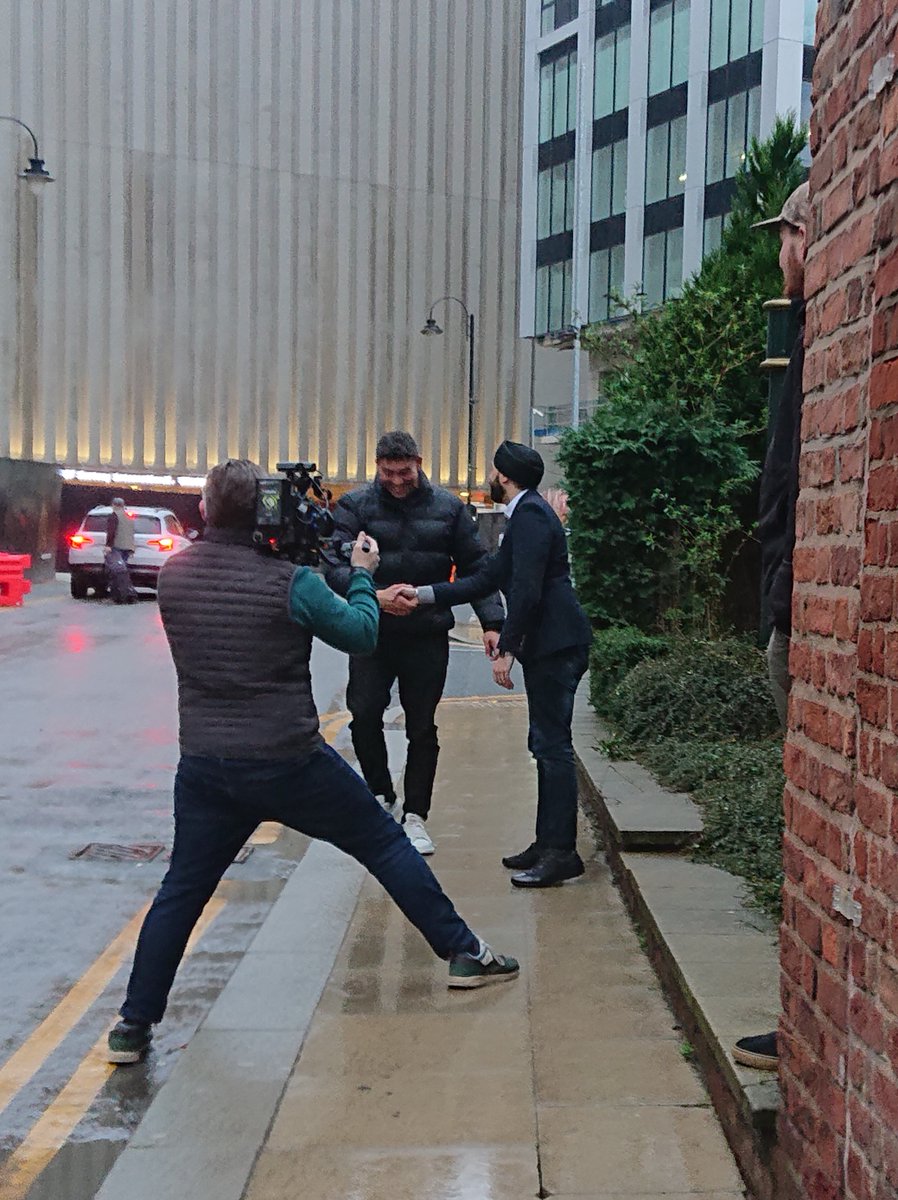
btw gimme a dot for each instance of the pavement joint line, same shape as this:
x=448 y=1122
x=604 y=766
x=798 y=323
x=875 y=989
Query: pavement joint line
x=25 y=1062
x=53 y=1128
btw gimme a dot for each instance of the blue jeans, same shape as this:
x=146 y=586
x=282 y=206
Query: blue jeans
x=220 y=802
x=551 y=684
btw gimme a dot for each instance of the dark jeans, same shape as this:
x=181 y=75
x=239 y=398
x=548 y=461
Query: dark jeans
x=551 y=684
x=218 y=804
x=419 y=663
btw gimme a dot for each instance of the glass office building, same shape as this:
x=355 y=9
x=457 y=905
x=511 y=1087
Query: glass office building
x=637 y=114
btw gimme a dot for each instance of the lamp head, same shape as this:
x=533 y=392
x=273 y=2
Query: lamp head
x=431 y=328
x=36 y=175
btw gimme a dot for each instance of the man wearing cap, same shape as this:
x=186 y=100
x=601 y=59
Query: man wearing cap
x=120 y=545
x=549 y=632
x=776 y=517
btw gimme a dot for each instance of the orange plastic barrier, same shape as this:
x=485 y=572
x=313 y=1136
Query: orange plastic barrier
x=14 y=587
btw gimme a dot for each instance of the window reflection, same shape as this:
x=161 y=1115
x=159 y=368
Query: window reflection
x=557 y=95
x=612 y=72
x=668 y=46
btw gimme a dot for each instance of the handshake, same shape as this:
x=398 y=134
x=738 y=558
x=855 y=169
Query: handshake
x=398 y=600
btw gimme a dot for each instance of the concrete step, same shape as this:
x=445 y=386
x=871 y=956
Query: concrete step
x=715 y=955
x=632 y=808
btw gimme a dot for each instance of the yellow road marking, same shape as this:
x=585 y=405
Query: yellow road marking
x=268 y=832
x=33 y=1053
x=335 y=723
x=53 y=1128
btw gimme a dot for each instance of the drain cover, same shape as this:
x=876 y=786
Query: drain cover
x=112 y=852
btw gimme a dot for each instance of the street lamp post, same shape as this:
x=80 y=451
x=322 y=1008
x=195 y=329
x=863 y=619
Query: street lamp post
x=431 y=328
x=35 y=174
x=534 y=412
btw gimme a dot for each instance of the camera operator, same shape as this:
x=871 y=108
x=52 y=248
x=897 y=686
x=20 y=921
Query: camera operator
x=240 y=627
x=549 y=632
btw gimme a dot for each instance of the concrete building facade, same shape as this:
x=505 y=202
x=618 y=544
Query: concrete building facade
x=637 y=114
x=254 y=207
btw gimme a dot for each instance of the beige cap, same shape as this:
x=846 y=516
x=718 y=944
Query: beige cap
x=794 y=212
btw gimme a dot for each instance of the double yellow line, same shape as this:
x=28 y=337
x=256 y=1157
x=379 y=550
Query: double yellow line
x=59 y=1119
x=55 y=1125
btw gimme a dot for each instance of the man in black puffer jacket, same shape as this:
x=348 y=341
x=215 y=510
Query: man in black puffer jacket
x=422 y=531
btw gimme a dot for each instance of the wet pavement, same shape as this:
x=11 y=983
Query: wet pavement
x=337 y=1065
x=87 y=754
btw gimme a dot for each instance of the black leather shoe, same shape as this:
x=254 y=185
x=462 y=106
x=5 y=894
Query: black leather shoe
x=524 y=861
x=553 y=866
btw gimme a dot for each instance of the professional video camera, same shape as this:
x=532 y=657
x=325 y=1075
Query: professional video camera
x=293 y=517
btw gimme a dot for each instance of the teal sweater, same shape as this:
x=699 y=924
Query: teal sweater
x=350 y=625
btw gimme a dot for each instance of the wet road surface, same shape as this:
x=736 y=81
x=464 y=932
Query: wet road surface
x=87 y=755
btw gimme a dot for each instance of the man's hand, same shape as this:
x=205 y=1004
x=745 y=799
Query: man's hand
x=502 y=671
x=398 y=600
x=491 y=643
x=107 y=550
x=365 y=553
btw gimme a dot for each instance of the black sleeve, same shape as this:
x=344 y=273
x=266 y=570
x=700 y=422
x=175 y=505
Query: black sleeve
x=478 y=586
x=111 y=527
x=469 y=555
x=530 y=552
x=347 y=528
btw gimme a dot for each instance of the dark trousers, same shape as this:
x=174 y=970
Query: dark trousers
x=420 y=664
x=551 y=684
x=219 y=803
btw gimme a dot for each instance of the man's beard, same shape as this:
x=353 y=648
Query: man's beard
x=497 y=492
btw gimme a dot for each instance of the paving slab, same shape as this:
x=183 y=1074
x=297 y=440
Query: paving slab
x=635 y=811
x=370 y=1080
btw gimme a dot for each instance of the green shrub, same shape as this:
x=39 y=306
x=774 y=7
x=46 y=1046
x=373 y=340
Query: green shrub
x=699 y=691
x=662 y=478
x=740 y=789
x=615 y=652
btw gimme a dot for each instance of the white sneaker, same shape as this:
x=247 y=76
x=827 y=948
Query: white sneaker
x=417 y=834
x=393 y=810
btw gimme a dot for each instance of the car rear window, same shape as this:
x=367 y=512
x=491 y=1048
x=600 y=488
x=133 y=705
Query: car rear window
x=173 y=525
x=96 y=523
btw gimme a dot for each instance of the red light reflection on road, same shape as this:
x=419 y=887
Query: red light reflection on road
x=76 y=640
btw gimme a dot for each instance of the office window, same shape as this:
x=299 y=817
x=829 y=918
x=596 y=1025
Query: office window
x=555 y=200
x=732 y=123
x=668 y=46
x=810 y=22
x=662 y=267
x=612 y=72
x=556 y=13
x=737 y=28
x=712 y=234
x=665 y=160
x=609 y=180
x=557 y=95
x=606 y=281
x=553 y=296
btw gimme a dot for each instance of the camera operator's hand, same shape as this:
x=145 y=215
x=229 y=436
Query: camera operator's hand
x=398 y=600
x=502 y=671
x=365 y=553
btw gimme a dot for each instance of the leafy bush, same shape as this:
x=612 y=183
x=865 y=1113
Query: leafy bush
x=740 y=789
x=661 y=478
x=615 y=652
x=700 y=691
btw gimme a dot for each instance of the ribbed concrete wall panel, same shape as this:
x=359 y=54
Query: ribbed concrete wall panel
x=255 y=205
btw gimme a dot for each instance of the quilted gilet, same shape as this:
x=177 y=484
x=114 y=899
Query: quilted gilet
x=244 y=686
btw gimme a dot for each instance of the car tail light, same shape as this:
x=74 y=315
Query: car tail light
x=77 y=540
x=163 y=543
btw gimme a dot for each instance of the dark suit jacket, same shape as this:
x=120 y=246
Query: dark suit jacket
x=531 y=569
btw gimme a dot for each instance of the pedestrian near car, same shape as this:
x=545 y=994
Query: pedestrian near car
x=240 y=627
x=547 y=630
x=776 y=513
x=423 y=532
x=120 y=545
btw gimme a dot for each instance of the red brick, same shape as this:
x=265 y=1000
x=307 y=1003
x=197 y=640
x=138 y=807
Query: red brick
x=877 y=594
x=884 y=384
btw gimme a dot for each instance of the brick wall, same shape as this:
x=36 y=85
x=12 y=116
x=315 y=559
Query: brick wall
x=839 y=1130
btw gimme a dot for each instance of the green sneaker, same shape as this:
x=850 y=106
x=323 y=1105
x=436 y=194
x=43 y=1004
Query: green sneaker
x=128 y=1042
x=473 y=971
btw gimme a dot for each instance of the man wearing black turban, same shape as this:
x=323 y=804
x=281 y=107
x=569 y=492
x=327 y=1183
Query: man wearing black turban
x=546 y=629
